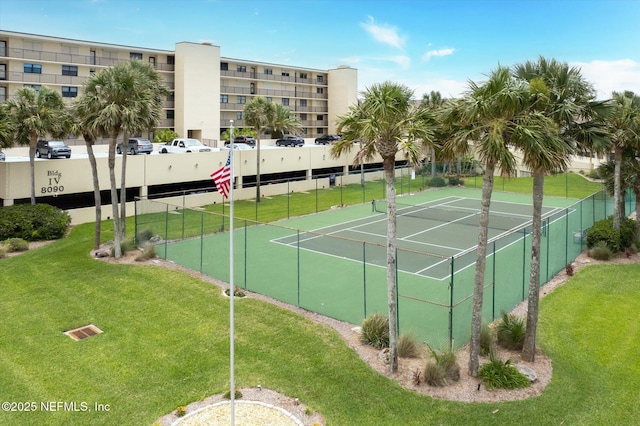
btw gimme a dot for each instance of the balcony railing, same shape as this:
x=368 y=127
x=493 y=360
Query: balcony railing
x=272 y=77
x=69 y=58
x=30 y=78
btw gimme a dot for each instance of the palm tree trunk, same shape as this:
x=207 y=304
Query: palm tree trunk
x=257 y=170
x=114 y=198
x=529 y=347
x=32 y=166
x=636 y=191
x=391 y=263
x=617 y=214
x=481 y=254
x=96 y=191
x=123 y=186
x=433 y=163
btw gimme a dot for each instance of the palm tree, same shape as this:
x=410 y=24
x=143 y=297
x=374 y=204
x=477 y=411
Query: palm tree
x=433 y=101
x=386 y=122
x=37 y=114
x=492 y=118
x=559 y=93
x=259 y=113
x=123 y=99
x=283 y=122
x=7 y=128
x=624 y=128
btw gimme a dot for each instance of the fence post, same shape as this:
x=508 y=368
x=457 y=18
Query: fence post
x=493 y=284
x=201 y=237
x=288 y=200
x=451 y=304
x=298 y=251
x=364 y=276
x=245 y=254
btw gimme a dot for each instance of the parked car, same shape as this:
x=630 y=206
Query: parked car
x=184 y=145
x=243 y=139
x=52 y=149
x=240 y=146
x=2 y=156
x=137 y=146
x=290 y=141
x=327 y=139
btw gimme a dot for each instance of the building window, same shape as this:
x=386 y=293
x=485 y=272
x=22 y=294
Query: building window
x=71 y=70
x=134 y=55
x=33 y=68
x=285 y=74
x=92 y=57
x=171 y=60
x=303 y=75
x=241 y=68
x=320 y=117
x=285 y=101
x=269 y=99
x=3 y=71
x=320 y=79
x=239 y=115
x=3 y=48
x=3 y=93
x=242 y=99
x=35 y=87
x=170 y=114
x=303 y=102
x=320 y=90
x=224 y=99
x=268 y=71
x=224 y=66
x=320 y=131
x=303 y=116
x=92 y=72
x=69 y=92
x=252 y=88
x=152 y=61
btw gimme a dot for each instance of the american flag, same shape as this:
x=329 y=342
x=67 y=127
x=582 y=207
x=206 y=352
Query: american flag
x=222 y=177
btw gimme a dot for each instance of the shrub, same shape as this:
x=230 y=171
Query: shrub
x=603 y=231
x=407 y=347
x=375 y=331
x=502 y=374
x=569 y=269
x=236 y=395
x=442 y=368
x=3 y=251
x=181 y=411
x=437 y=182
x=627 y=232
x=16 y=244
x=600 y=251
x=165 y=135
x=486 y=339
x=144 y=236
x=454 y=181
x=511 y=331
x=33 y=223
x=594 y=174
x=148 y=252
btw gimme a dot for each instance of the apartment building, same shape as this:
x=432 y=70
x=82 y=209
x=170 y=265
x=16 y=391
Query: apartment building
x=207 y=90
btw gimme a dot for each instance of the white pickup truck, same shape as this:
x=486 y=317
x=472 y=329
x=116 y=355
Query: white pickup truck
x=183 y=145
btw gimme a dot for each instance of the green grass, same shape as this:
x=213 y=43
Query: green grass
x=570 y=185
x=166 y=344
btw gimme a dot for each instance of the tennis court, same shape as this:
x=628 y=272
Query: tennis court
x=441 y=228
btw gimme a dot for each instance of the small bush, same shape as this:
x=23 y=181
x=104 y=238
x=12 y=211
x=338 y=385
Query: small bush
x=437 y=182
x=627 y=232
x=603 y=231
x=511 y=331
x=486 y=339
x=407 y=347
x=502 y=374
x=33 y=223
x=454 y=181
x=3 y=251
x=569 y=269
x=16 y=244
x=148 y=252
x=236 y=395
x=434 y=374
x=442 y=368
x=125 y=246
x=181 y=411
x=594 y=174
x=601 y=251
x=375 y=331
x=144 y=236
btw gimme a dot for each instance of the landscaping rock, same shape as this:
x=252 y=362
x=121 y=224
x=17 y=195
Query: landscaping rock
x=527 y=372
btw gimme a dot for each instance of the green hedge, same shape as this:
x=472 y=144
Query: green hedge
x=33 y=223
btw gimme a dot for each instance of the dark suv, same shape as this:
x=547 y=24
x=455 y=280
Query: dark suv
x=52 y=149
x=243 y=139
x=290 y=141
x=137 y=146
x=327 y=139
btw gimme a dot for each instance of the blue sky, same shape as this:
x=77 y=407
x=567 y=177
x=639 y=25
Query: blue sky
x=426 y=45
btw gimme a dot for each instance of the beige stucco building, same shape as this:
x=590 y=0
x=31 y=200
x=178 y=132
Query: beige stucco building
x=207 y=90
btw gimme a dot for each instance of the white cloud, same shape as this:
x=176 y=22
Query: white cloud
x=609 y=76
x=384 y=34
x=439 y=52
x=403 y=61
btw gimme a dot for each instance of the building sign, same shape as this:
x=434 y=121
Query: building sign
x=53 y=183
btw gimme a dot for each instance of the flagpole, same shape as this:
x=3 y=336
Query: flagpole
x=232 y=392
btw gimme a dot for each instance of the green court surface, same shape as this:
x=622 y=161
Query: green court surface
x=334 y=262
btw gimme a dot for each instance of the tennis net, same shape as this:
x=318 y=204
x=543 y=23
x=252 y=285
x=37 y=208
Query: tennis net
x=461 y=215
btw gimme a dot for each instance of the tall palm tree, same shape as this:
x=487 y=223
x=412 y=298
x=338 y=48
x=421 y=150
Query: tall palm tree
x=259 y=113
x=491 y=119
x=7 y=127
x=386 y=122
x=566 y=100
x=434 y=102
x=37 y=114
x=123 y=99
x=624 y=128
x=283 y=122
